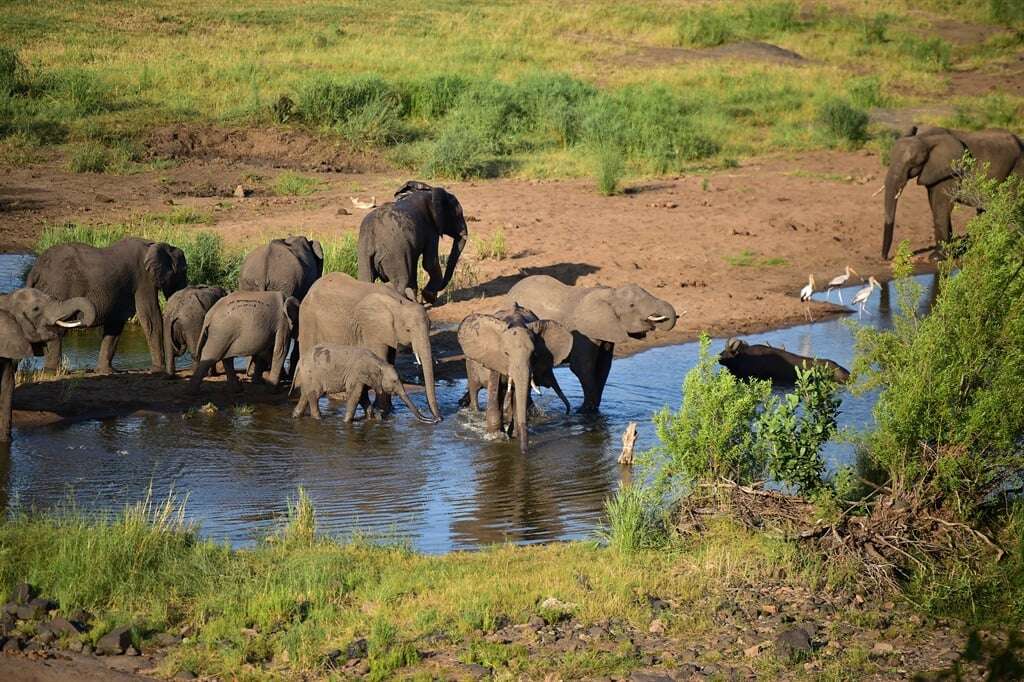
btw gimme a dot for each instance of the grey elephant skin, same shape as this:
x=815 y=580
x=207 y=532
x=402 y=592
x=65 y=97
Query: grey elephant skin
x=509 y=351
x=256 y=324
x=930 y=154
x=598 y=317
x=184 y=314
x=393 y=237
x=759 y=361
x=288 y=265
x=344 y=311
x=30 y=317
x=122 y=280
x=330 y=368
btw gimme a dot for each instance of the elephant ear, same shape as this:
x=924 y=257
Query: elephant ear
x=291 y=309
x=554 y=337
x=375 y=320
x=945 y=150
x=163 y=262
x=13 y=344
x=480 y=338
x=318 y=250
x=595 y=318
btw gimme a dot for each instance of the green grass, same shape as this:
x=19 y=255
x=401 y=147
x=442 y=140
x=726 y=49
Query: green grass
x=752 y=259
x=290 y=184
x=493 y=247
x=522 y=89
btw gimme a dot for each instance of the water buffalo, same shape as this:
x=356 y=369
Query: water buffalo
x=765 y=362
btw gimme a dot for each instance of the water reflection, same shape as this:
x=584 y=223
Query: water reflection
x=443 y=487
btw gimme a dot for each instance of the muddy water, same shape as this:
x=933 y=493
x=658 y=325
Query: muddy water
x=442 y=488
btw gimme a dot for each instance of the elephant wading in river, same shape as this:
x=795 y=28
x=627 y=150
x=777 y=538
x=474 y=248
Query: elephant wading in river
x=256 y=324
x=344 y=311
x=121 y=281
x=330 y=368
x=28 y=318
x=184 y=314
x=598 y=317
x=759 y=361
x=394 y=236
x=929 y=154
x=512 y=348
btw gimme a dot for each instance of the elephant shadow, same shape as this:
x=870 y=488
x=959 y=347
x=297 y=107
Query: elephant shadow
x=566 y=273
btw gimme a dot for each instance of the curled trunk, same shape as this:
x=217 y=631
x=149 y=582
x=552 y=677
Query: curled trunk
x=453 y=260
x=74 y=312
x=404 y=397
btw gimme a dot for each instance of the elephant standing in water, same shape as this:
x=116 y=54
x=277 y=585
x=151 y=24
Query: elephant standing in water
x=287 y=265
x=393 y=237
x=184 y=314
x=598 y=317
x=341 y=310
x=29 y=317
x=930 y=154
x=512 y=348
x=121 y=281
x=256 y=324
x=329 y=368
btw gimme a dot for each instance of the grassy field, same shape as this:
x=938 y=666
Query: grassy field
x=458 y=89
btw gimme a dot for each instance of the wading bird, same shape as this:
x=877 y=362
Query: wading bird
x=805 y=295
x=838 y=281
x=860 y=299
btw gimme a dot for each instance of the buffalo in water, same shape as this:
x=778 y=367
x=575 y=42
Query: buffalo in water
x=760 y=361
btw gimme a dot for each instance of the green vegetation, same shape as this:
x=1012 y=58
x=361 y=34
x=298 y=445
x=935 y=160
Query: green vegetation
x=843 y=121
x=610 y=166
x=289 y=184
x=492 y=89
x=493 y=247
x=751 y=259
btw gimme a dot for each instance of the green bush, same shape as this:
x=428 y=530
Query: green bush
x=1007 y=12
x=435 y=96
x=843 y=121
x=635 y=520
x=82 y=92
x=90 y=157
x=769 y=18
x=291 y=184
x=949 y=417
x=933 y=53
x=459 y=156
x=610 y=167
x=341 y=255
x=12 y=72
x=704 y=27
x=866 y=91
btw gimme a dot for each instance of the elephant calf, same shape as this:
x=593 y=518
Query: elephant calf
x=183 y=321
x=513 y=348
x=765 y=362
x=333 y=368
x=257 y=324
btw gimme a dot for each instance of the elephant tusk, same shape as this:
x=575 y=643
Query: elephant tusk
x=417 y=356
x=899 y=194
x=535 y=386
x=878 y=191
x=657 y=318
x=69 y=325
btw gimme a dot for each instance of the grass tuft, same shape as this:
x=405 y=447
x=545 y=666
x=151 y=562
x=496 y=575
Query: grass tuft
x=610 y=168
x=291 y=184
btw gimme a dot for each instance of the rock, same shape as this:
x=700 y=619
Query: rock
x=45 y=637
x=535 y=623
x=81 y=618
x=87 y=650
x=185 y=675
x=792 y=642
x=75 y=645
x=7 y=624
x=882 y=649
x=12 y=646
x=115 y=642
x=476 y=670
x=556 y=604
x=166 y=639
x=648 y=676
x=11 y=608
x=358 y=648
x=343 y=211
x=755 y=650
x=62 y=626
x=240 y=192
x=22 y=594
x=657 y=627
x=35 y=609
x=131 y=651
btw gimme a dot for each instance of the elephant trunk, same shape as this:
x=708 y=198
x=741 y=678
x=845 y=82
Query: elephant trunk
x=404 y=397
x=453 y=257
x=519 y=388
x=74 y=312
x=421 y=346
x=664 y=316
x=895 y=180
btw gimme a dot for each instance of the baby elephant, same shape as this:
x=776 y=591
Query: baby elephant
x=257 y=324
x=183 y=321
x=334 y=368
x=765 y=362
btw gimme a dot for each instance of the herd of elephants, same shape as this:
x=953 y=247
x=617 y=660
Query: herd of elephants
x=337 y=334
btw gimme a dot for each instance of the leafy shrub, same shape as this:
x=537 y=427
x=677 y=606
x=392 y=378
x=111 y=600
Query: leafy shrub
x=793 y=428
x=949 y=418
x=434 y=97
x=843 y=121
x=459 y=156
x=610 y=167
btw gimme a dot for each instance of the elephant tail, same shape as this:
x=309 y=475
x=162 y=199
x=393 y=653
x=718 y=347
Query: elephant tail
x=204 y=334
x=296 y=377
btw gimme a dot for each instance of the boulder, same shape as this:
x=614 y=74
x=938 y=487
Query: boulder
x=81 y=618
x=36 y=609
x=166 y=639
x=61 y=626
x=115 y=642
x=792 y=642
x=12 y=646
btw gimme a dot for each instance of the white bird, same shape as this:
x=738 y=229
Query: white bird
x=359 y=203
x=838 y=281
x=860 y=299
x=805 y=295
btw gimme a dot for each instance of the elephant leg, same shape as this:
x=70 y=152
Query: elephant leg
x=314 y=404
x=199 y=373
x=52 y=354
x=293 y=360
x=111 y=335
x=230 y=374
x=940 y=197
x=495 y=402
x=6 y=399
x=605 y=354
x=382 y=401
x=257 y=367
x=583 y=362
x=352 y=399
x=147 y=311
x=366 y=404
x=301 y=406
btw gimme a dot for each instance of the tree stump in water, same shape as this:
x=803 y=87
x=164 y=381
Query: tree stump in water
x=628 y=441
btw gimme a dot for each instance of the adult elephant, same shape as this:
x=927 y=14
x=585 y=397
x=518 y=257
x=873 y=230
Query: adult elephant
x=341 y=310
x=929 y=154
x=28 y=317
x=122 y=280
x=288 y=265
x=393 y=237
x=598 y=317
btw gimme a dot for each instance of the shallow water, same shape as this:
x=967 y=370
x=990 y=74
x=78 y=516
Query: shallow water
x=442 y=488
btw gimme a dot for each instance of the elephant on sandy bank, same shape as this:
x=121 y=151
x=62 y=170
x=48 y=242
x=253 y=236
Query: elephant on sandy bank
x=341 y=310
x=256 y=324
x=598 y=317
x=394 y=236
x=760 y=361
x=930 y=154
x=513 y=349
x=330 y=368
x=184 y=314
x=121 y=281
x=29 y=317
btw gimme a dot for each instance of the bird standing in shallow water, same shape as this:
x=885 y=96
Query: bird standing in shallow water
x=860 y=299
x=805 y=295
x=840 y=280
